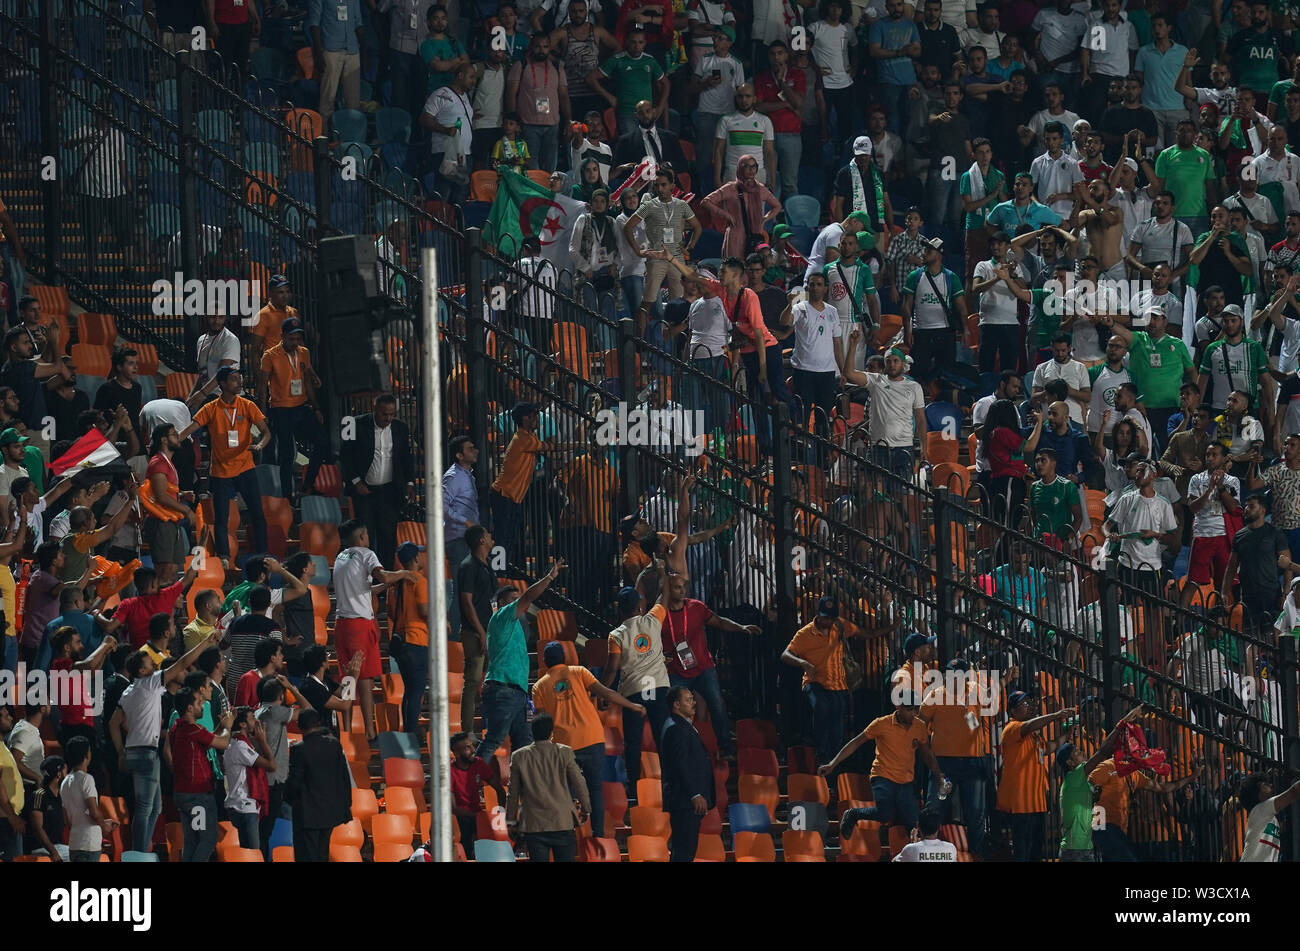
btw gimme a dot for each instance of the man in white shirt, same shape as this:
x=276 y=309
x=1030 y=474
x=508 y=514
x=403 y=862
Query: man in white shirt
x=1055 y=173
x=818 y=351
x=358 y=577
x=217 y=348
x=1211 y=493
x=1074 y=373
x=1278 y=164
x=1057 y=36
x=136 y=727
x=449 y=115
x=926 y=846
x=1263 y=838
x=998 y=307
x=1159 y=294
x=896 y=417
x=1162 y=237
x=745 y=132
x=986 y=34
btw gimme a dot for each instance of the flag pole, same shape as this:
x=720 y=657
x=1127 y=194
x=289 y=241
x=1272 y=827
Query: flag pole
x=435 y=568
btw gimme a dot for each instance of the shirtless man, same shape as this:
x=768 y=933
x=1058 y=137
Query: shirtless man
x=1104 y=224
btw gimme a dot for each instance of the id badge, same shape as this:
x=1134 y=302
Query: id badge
x=232 y=439
x=1155 y=359
x=670 y=236
x=343 y=12
x=972 y=721
x=239 y=3
x=295 y=387
x=415 y=21
x=543 y=105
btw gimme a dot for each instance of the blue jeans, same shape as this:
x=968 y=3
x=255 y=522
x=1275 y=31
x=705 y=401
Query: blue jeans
x=543 y=145
x=413 y=663
x=943 y=204
x=710 y=687
x=223 y=491
x=292 y=426
x=142 y=764
x=894 y=802
x=1028 y=830
x=505 y=713
x=969 y=776
x=999 y=342
x=789 y=150
x=827 y=719
x=656 y=709
x=775 y=386
x=633 y=291
x=1113 y=844
x=10 y=653
x=894 y=99
x=198 y=809
x=896 y=459
x=706 y=128
x=711 y=399
x=626 y=123
x=507 y=524
x=247 y=825
x=591 y=760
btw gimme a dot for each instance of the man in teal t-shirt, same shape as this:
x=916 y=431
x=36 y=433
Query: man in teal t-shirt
x=1076 y=792
x=505 y=682
x=440 y=48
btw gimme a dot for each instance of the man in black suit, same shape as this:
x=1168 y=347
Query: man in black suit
x=377 y=470
x=687 y=774
x=319 y=789
x=647 y=141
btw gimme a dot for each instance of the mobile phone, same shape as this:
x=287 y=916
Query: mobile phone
x=717 y=74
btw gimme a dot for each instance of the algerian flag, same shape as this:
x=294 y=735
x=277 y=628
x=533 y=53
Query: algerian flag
x=522 y=208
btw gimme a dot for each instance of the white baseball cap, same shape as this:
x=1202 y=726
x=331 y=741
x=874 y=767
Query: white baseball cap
x=862 y=145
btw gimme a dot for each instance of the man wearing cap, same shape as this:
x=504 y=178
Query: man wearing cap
x=229 y=421
x=850 y=284
x=412 y=625
x=290 y=385
x=1159 y=363
x=818 y=649
x=934 y=312
x=918 y=651
x=13 y=451
x=896 y=423
x=899 y=737
x=1233 y=361
x=788 y=257
x=859 y=187
x=636 y=659
x=565 y=693
x=1022 y=791
x=265 y=334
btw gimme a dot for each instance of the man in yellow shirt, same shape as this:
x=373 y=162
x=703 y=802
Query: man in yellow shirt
x=11 y=796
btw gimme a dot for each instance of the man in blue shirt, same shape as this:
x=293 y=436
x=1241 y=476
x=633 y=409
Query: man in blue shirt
x=1022 y=209
x=893 y=42
x=459 y=498
x=505 y=683
x=335 y=30
x=1074 y=455
x=92 y=626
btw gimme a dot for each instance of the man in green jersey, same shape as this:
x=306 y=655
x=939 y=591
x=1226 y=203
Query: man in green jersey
x=1076 y=792
x=1159 y=364
x=1234 y=361
x=1186 y=171
x=1053 y=501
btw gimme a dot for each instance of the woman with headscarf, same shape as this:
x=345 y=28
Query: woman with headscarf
x=593 y=244
x=588 y=180
x=741 y=203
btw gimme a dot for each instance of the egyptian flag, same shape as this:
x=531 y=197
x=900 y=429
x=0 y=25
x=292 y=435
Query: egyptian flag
x=91 y=451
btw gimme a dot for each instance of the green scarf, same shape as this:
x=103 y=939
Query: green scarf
x=859 y=197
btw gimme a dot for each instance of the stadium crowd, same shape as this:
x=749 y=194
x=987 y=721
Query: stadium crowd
x=1069 y=234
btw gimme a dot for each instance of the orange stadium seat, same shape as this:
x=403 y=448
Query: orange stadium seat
x=754 y=847
x=647 y=848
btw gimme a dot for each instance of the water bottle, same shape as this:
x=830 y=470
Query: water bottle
x=945 y=788
x=457 y=125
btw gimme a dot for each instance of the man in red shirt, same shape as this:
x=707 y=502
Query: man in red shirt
x=134 y=613
x=686 y=651
x=77 y=714
x=192 y=779
x=268 y=658
x=780 y=93
x=468 y=773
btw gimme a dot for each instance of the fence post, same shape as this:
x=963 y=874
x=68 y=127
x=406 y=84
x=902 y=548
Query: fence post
x=627 y=388
x=53 y=186
x=947 y=593
x=476 y=351
x=187 y=156
x=1112 y=673
x=783 y=519
x=321 y=167
x=1290 y=753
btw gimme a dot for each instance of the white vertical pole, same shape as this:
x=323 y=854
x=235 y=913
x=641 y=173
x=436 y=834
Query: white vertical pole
x=439 y=729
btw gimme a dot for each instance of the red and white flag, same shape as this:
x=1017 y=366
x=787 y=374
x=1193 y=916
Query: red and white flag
x=89 y=452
